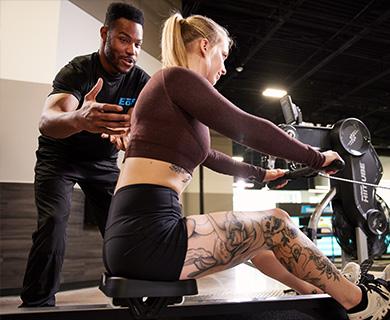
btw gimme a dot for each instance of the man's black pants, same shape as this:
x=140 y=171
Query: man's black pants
x=54 y=182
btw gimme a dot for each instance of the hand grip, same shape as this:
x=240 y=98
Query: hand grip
x=306 y=172
x=337 y=165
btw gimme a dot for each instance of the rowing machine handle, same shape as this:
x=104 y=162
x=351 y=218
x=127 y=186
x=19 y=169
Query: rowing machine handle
x=306 y=172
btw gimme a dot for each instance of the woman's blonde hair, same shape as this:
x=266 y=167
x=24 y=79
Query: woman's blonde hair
x=178 y=32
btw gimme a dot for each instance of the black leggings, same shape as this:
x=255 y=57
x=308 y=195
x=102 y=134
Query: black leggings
x=146 y=234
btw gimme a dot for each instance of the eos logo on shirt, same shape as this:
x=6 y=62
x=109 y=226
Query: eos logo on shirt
x=128 y=102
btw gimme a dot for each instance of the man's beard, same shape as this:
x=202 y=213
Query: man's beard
x=111 y=58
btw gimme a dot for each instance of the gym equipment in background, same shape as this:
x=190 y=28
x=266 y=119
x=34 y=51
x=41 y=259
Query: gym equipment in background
x=360 y=216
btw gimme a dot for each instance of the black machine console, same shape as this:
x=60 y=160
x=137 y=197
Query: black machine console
x=354 y=205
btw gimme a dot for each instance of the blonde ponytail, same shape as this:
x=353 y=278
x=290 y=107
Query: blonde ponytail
x=178 y=32
x=173 y=49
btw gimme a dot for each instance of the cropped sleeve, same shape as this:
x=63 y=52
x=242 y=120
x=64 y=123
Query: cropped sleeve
x=197 y=97
x=221 y=163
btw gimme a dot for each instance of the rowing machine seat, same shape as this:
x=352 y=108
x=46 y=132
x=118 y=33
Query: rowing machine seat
x=145 y=298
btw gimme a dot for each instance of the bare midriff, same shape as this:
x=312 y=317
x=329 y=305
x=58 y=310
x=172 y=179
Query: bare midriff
x=151 y=171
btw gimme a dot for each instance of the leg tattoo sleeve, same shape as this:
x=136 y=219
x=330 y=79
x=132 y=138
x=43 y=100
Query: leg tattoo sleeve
x=234 y=241
x=297 y=253
x=237 y=239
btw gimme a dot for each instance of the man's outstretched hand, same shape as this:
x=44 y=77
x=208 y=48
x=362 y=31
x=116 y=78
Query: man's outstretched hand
x=99 y=117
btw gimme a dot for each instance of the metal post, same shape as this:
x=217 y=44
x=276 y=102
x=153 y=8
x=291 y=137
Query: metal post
x=361 y=245
x=201 y=190
x=316 y=215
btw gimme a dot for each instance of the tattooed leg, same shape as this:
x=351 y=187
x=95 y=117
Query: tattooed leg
x=297 y=253
x=222 y=240
x=219 y=241
x=268 y=264
x=301 y=257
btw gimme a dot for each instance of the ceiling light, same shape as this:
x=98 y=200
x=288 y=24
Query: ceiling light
x=239 y=68
x=238 y=158
x=274 y=93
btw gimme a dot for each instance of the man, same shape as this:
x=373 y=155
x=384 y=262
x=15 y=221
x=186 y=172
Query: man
x=92 y=99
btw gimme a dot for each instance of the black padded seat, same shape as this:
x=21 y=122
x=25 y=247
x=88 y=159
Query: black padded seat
x=145 y=298
x=118 y=287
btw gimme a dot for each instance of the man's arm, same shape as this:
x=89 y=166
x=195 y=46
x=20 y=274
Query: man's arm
x=61 y=118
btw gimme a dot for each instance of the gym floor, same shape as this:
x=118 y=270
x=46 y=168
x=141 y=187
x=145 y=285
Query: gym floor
x=242 y=283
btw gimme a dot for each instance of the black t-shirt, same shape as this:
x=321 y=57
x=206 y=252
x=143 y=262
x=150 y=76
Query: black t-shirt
x=77 y=78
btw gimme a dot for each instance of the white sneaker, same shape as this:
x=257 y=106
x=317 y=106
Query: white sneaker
x=351 y=271
x=378 y=296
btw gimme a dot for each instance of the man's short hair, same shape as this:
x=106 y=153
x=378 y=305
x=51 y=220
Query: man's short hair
x=117 y=10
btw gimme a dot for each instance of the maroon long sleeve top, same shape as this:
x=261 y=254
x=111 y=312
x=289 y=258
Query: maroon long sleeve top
x=171 y=122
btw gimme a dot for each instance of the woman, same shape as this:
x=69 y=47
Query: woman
x=146 y=235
